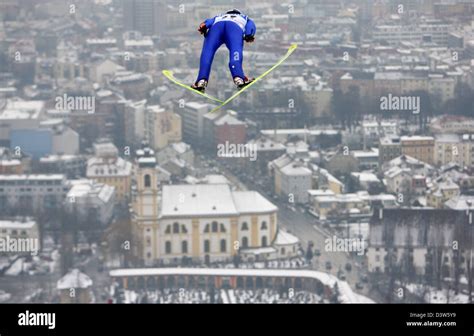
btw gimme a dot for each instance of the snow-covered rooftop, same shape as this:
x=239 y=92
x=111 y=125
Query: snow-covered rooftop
x=74 y=279
x=211 y=200
x=16 y=224
x=416 y=138
x=90 y=188
x=366 y=177
x=5 y=163
x=197 y=200
x=58 y=158
x=321 y=192
x=16 y=109
x=229 y=120
x=252 y=202
x=196 y=105
x=296 y=170
x=285 y=238
x=97 y=166
x=462 y=202
x=25 y=178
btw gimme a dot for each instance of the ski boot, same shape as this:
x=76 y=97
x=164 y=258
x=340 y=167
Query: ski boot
x=241 y=83
x=200 y=85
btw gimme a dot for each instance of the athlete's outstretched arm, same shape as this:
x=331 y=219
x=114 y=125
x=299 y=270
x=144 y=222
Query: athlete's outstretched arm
x=210 y=22
x=250 y=28
x=206 y=25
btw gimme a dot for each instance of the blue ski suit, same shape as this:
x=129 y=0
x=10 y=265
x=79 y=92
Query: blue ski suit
x=228 y=29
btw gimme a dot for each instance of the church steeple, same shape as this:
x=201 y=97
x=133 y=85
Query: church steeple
x=147 y=173
x=145 y=202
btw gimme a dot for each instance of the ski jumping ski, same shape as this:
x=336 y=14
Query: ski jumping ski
x=290 y=51
x=169 y=74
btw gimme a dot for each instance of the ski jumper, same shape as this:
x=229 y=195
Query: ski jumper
x=228 y=29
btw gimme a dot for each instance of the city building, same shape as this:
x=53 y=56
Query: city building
x=91 y=201
x=430 y=31
x=319 y=97
x=267 y=151
x=103 y=69
x=21 y=228
x=193 y=121
x=441 y=86
x=454 y=148
x=134 y=85
x=389 y=149
x=145 y=16
x=340 y=161
x=328 y=181
x=172 y=223
x=106 y=121
x=398 y=180
x=367 y=159
x=75 y=287
x=11 y=164
x=452 y=124
x=10 y=159
x=19 y=115
x=419 y=147
x=286 y=245
x=406 y=175
x=461 y=203
x=373 y=130
x=72 y=166
x=176 y=158
x=367 y=181
x=419 y=242
x=442 y=192
x=162 y=127
x=228 y=129
x=135 y=121
x=292 y=179
x=362 y=80
x=109 y=168
x=327 y=205
x=32 y=192
x=312 y=136
x=459 y=175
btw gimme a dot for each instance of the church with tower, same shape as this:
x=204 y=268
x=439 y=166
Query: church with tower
x=200 y=222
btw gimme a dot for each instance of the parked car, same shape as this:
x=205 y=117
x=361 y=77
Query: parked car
x=341 y=275
x=359 y=286
x=328 y=265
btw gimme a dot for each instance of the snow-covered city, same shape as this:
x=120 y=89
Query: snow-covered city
x=236 y=152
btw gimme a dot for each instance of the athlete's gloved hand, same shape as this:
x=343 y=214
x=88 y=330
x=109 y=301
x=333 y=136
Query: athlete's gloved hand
x=203 y=29
x=249 y=38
